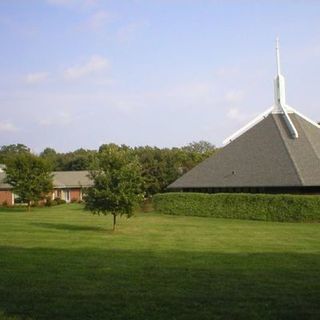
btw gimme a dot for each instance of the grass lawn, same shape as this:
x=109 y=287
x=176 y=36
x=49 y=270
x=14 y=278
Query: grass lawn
x=64 y=263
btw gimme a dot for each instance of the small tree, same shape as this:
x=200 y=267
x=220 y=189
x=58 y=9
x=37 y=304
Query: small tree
x=30 y=177
x=117 y=183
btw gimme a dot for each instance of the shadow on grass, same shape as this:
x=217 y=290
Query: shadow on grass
x=69 y=227
x=113 y=284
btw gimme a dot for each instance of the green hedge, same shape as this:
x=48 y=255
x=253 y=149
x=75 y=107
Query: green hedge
x=281 y=207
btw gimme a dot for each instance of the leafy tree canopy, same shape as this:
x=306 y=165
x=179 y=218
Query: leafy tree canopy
x=117 y=182
x=159 y=166
x=30 y=177
x=202 y=147
x=10 y=151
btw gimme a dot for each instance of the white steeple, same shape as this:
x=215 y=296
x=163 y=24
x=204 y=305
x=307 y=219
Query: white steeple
x=280 y=105
x=279 y=86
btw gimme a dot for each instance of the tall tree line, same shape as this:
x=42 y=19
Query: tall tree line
x=160 y=166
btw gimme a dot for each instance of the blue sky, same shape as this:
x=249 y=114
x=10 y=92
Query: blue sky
x=79 y=73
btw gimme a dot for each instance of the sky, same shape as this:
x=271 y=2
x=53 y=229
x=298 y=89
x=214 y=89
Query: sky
x=80 y=73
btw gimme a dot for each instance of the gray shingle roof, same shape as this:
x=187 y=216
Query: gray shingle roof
x=3 y=185
x=69 y=179
x=264 y=156
x=61 y=179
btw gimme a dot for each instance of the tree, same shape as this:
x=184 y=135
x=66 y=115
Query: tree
x=30 y=177
x=50 y=155
x=10 y=151
x=117 y=183
x=202 y=147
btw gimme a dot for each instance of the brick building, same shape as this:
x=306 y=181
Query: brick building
x=67 y=185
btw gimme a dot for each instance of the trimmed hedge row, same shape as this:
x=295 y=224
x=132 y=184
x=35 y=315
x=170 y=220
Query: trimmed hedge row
x=267 y=207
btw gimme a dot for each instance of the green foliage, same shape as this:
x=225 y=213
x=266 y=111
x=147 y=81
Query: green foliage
x=59 y=201
x=7 y=153
x=201 y=147
x=80 y=159
x=117 y=182
x=30 y=177
x=5 y=204
x=159 y=166
x=49 y=202
x=290 y=208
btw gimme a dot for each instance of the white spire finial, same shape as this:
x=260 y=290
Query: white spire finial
x=278 y=55
x=279 y=84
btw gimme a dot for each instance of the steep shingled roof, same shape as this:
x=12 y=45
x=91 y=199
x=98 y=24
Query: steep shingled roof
x=264 y=156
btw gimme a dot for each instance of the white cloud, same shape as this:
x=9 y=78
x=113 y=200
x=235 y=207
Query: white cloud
x=6 y=126
x=37 y=77
x=95 y=64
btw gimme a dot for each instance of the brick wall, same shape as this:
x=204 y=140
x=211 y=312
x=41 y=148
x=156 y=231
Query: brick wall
x=75 y=194
x=6 y=196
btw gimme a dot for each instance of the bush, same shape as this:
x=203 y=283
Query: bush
x=34 y=204
x=59 y=201
x=49 y=202
x=282 y=207
x=74 y=200
x=5 y=203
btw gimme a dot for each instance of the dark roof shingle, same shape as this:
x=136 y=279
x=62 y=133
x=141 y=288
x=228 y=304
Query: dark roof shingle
x=264 y=156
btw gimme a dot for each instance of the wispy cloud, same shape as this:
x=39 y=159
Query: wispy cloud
x=7 y=126
x=95 y=64
x=37 y=77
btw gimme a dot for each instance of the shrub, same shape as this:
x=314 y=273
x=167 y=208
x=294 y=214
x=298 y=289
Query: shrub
x=74 y=200
x=48 y=202
x=267 y=207
x=59 y=201
x=5 y=203
x=35 y=204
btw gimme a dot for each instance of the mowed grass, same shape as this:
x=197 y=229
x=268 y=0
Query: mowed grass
x=64 y=263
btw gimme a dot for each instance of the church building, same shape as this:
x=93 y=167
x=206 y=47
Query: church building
x=278 y=152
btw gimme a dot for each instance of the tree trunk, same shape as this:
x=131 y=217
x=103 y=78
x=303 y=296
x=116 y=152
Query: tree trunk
x=114 y=222
x=29 y=206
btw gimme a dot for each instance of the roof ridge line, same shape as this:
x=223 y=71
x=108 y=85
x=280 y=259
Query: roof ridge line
x=290 y=156
x=307 y=135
